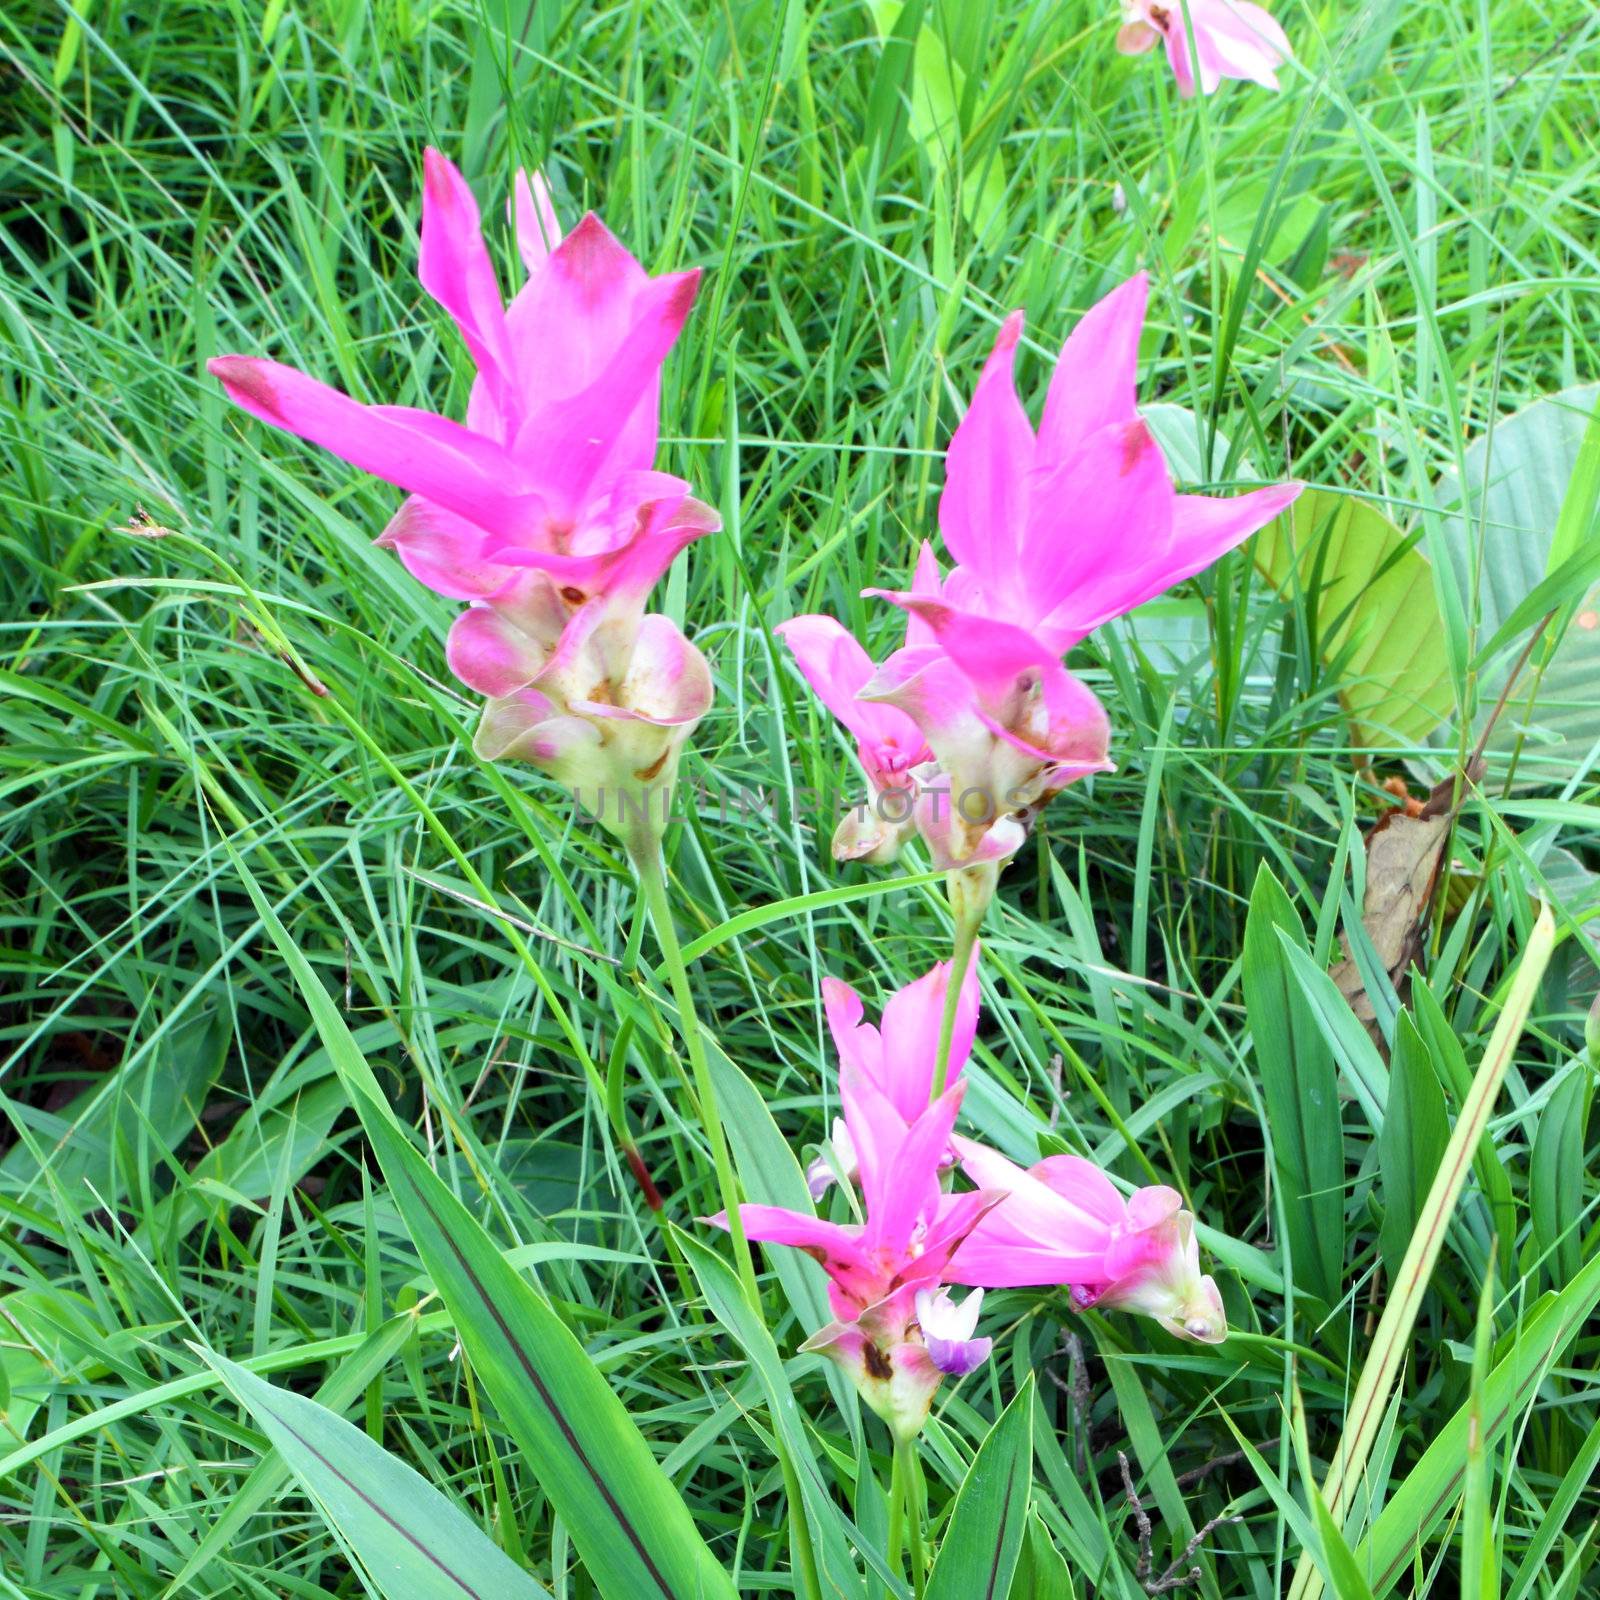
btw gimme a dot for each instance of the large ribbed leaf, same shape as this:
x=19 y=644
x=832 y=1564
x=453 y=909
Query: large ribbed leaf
x=415 y=1544
x=629 y=1524
x=979 y=1551
x=1518 y=479
x=1372 y=601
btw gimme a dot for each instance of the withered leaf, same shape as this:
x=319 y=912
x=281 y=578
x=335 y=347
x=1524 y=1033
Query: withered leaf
x=1404 y=854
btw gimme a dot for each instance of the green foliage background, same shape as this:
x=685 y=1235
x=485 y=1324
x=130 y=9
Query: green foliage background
x=203 y=662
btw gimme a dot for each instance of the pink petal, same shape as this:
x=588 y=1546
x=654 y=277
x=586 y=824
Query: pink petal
x=924 y=581
x=984 y=503
x=575 y=443
x=1083 y=1186
x=489 y=653
x=837 y=668
x=415 y=450
x=668 y=682
x=777 y=1225
x=998 y=660
x=1203 y=529
x=525 y=726
x=910 y=1186
x=1135 y=38
x=534 y=214
x=1097 y=518
x=928 y=687
x=442 y=551
x=1036 y=1212
x=572 y=315
x=912 y=1019
x=857 y=1043
x=1177 y=43
x=1095 y=380
x=950 y=845
x=1240 y=40
x=455 y=269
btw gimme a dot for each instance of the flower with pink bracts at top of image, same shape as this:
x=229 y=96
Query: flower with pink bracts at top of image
x=1232 y=39
x=876 y=1267
x=554 y=465
x=1063 y=1222
x=543 y=510
x=896 y=1057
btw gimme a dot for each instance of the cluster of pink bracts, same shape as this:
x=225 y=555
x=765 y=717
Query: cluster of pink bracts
x=897 y=1331
x=544 y=512
x=975 y=723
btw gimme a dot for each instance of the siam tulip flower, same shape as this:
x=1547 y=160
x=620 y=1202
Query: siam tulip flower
x=1064 y=1222
x=877 y=1267
x=553 y=466
x=897 y=1058
x=1054 y=533
x=543 y=510
x=1233 y=39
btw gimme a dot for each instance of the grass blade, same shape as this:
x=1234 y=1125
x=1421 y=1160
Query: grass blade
x=1393 y=1336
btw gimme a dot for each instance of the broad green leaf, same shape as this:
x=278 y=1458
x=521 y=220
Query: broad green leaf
x=1411 y=1141
x=1300 y=1087
x=1042 y=1571
x=628 y=1522
x=1352 y=1046
x=626 y=1519
x=341 y=1389
x=94 y=1143
x=1338 y=1561
x=1556 y=1174
x=983 y=1540
x=1532 y=487
x=1370 y=598
x=1480 y=1571
x=415 y=1544
x=934 y=89
x=1238 y=210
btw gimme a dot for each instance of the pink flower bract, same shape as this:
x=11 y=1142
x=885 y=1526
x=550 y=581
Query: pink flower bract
x=1233 y=39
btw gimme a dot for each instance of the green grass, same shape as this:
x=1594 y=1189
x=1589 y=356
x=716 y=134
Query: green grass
x=1355 y=280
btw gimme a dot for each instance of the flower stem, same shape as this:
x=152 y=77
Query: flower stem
x=897 y=1495
x=652 y=880
x=968 y=919
x=911 y=1480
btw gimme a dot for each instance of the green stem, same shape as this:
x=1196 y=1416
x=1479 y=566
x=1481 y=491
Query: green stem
x=968 y=921
x=653 y=881
x=912 y=1478
x=897 y=1491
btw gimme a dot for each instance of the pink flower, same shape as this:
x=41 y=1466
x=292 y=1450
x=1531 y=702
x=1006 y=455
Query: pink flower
x=877 y=1267
x=1233 y=39
x=897 y=1059
x=1054 y=534
x=543 y=510
x=1064 y=1222
x=553 y=468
